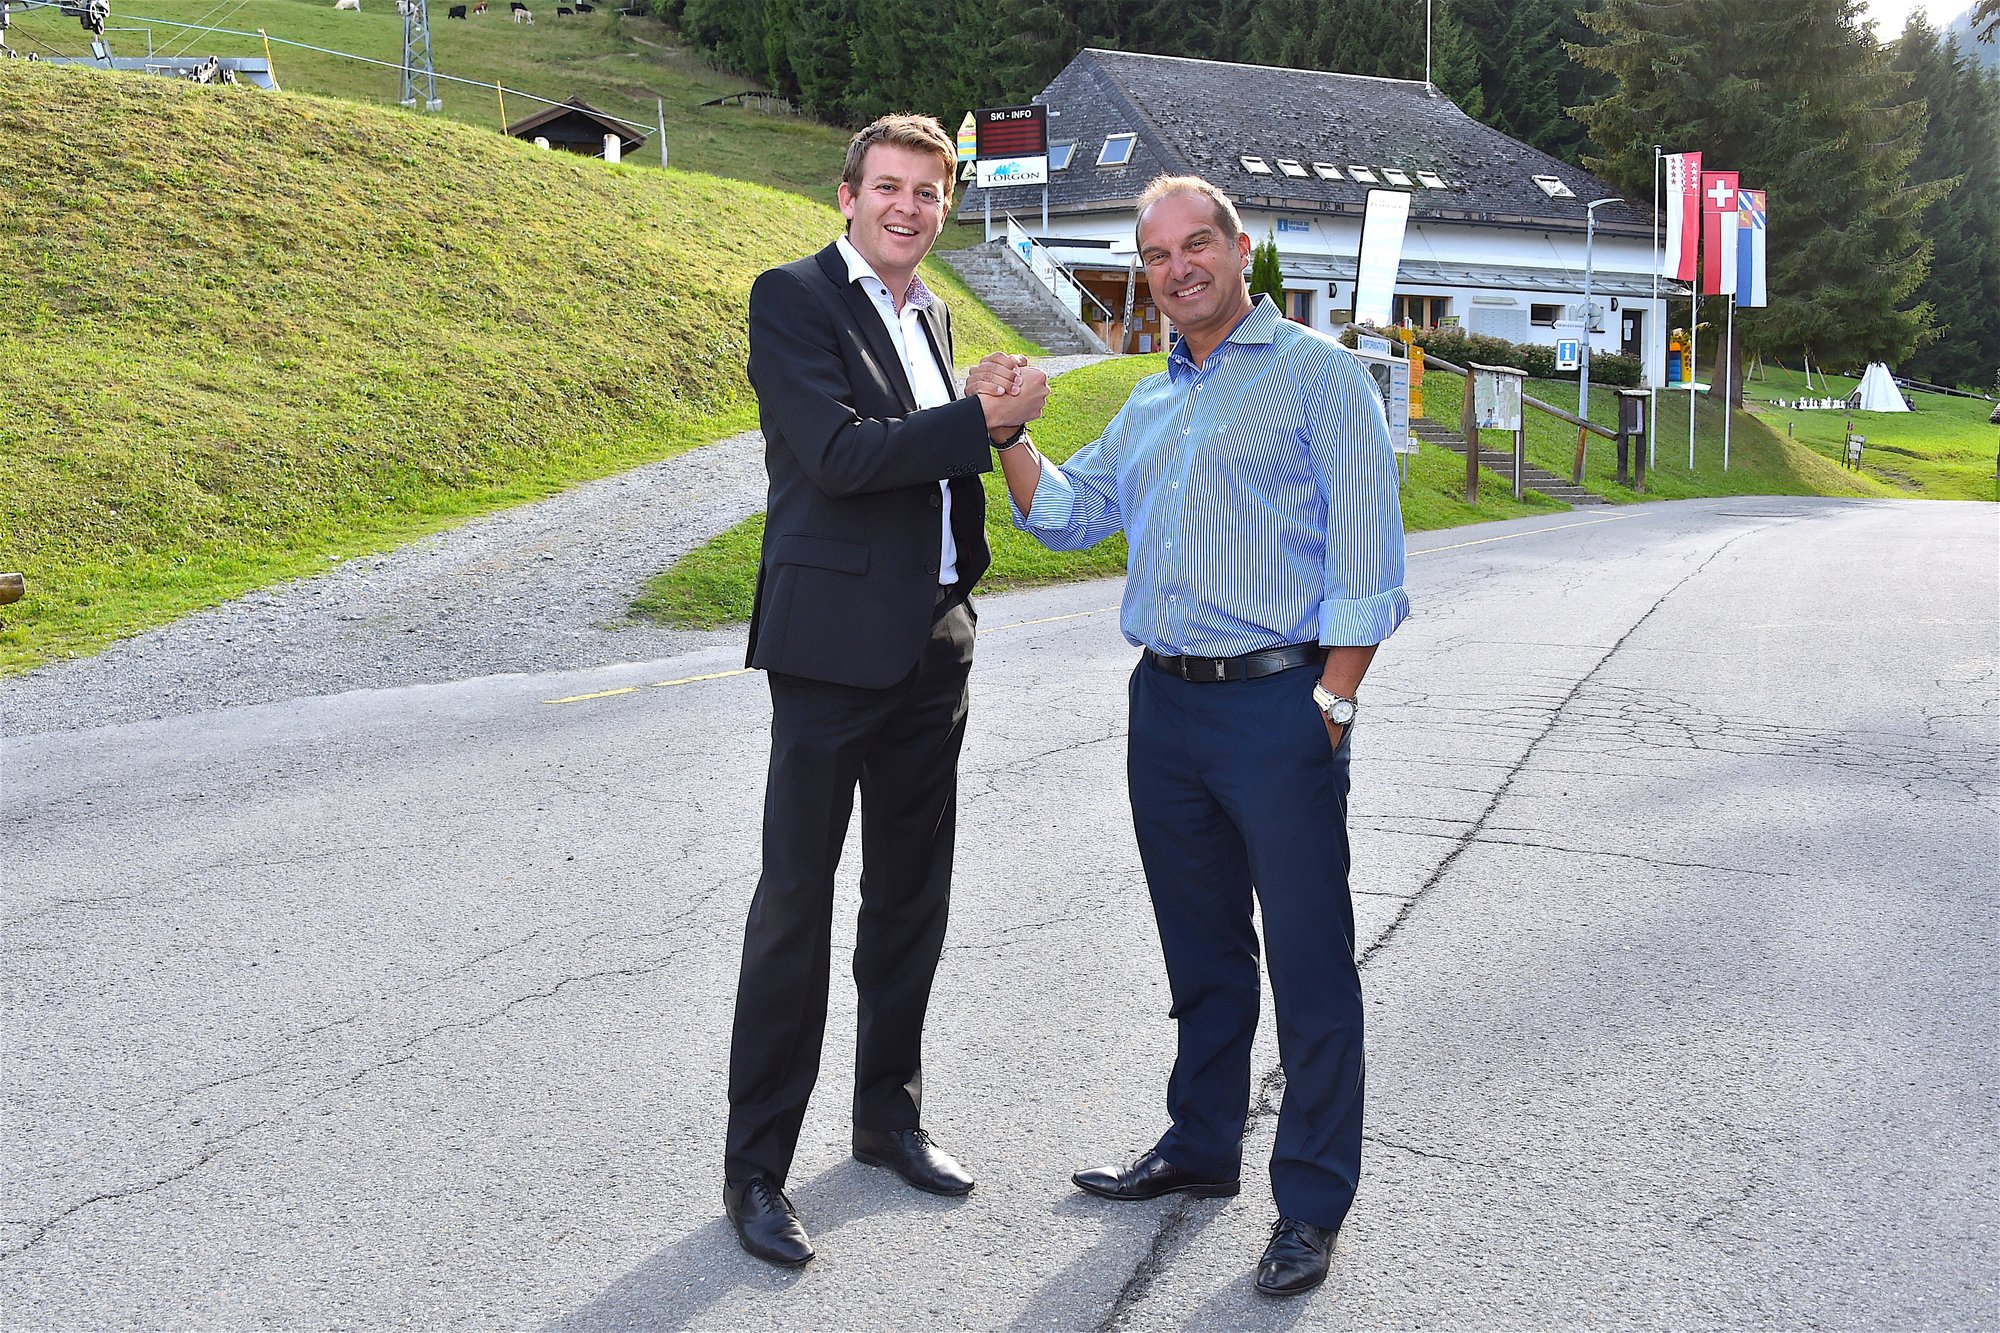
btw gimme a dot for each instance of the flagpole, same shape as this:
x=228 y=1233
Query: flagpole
x=1653 y=432
x=1694 y=340
x=1729 y=347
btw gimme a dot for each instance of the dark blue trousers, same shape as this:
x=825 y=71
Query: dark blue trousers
x=1235 y=791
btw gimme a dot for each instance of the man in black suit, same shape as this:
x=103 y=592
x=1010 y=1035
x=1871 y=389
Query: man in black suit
x=874 y=534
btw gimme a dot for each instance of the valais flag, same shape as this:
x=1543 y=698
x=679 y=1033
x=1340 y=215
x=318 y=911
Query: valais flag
x=1718 y=233
x=1683 y=214
x=1751 y=270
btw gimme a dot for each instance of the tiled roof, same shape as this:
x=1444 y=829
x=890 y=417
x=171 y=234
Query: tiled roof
x=1202 y=116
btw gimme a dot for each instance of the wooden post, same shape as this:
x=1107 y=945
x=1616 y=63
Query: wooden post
x=1520 y=453
x=1469 y=423
x=1576 y=478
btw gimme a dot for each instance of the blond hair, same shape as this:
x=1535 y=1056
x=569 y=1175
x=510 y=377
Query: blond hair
x=918 y=134
x=1226 y=217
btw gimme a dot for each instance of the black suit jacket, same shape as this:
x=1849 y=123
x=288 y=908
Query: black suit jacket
x=848 y=579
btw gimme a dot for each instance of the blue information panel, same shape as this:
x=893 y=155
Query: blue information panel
x=1569 y=353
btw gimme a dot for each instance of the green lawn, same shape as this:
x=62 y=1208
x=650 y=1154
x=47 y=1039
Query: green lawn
x=1942 y=449
x=714 y=584
x=242 y=334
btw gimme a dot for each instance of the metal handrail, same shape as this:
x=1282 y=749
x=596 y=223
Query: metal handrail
x=1056 y=267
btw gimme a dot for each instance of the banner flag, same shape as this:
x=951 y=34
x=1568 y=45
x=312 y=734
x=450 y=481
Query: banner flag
x=1718 y=233
x=1683 y=214
x=1751 y=221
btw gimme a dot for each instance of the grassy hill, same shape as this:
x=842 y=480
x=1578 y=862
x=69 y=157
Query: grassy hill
x=247 y=333
x=620 y=65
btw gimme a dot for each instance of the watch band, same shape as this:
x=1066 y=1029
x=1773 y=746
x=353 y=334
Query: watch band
x=1020 y=434
x=1327 y=700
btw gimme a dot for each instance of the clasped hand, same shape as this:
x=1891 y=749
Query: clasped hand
x=1011 y=392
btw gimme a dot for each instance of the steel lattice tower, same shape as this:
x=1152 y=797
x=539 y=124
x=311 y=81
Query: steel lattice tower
x=417 y=69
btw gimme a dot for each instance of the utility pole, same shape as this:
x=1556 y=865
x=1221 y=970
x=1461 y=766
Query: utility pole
x=417 y=68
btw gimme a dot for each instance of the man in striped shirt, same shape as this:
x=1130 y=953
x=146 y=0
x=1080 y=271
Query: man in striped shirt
x=1256 y=487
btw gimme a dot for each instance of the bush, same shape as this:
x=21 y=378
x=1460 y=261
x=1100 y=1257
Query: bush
x=1620 y=372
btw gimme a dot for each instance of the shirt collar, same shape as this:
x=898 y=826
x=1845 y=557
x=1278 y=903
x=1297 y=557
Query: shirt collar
x=916 y=297
x=1259 y=326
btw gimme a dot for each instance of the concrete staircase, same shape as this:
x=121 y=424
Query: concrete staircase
x=1502 y=462
x=1002 y=281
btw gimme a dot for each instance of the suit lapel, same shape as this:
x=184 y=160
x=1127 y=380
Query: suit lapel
x=938 y=328
x=861 y=308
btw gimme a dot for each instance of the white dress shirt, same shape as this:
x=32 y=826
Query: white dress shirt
x=927 y=380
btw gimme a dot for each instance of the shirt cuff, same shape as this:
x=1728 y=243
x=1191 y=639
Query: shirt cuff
x=1359 y=621
x=1054 y=505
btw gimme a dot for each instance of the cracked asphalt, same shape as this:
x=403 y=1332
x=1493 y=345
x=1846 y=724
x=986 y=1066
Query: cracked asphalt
x=1676 y=844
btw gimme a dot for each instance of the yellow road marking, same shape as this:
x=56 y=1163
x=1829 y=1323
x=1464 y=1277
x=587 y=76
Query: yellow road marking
x=689 y=680
x=601 y=694
x=1532 y=532
x=1045 y=620
x=656 y=685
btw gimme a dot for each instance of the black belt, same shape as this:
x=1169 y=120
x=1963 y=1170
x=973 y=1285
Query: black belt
x=1264 y=662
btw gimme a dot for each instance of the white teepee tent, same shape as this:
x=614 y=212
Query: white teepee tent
x=1877 y=392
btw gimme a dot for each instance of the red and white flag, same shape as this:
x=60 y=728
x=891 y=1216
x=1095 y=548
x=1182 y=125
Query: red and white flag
x=1718 y=233
x=1683 y=214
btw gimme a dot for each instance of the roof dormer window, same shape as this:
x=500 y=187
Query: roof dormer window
x=1362 y=174
x=1432 y=180
x=1553 y=187
x=1060 y=155
x=1256 y=166
x=1117 y=150
x=1291 y=168
x=1395 y=176
x=1326 y=171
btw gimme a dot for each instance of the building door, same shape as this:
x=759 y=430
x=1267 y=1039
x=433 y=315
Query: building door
x=1632 y=334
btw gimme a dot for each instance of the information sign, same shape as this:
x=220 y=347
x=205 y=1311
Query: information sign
x=1012 y=145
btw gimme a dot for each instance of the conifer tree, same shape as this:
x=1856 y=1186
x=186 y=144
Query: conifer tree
x=1800 y=100
x=1961 y=145
x=1266 y=278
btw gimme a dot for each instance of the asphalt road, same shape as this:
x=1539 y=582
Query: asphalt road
x=1676 y=843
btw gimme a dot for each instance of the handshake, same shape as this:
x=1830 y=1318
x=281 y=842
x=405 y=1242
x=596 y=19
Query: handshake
x=1010 y=391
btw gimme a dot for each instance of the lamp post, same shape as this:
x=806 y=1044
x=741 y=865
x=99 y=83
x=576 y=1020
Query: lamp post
x=1589 y=310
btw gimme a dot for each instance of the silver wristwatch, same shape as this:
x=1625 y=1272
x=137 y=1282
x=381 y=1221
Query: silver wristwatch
x=1337 y=709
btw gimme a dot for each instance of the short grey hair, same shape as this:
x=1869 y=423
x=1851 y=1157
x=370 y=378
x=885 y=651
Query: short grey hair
x=1226 y=216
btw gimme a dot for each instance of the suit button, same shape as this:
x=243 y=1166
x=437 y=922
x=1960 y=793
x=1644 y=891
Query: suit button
x=930 y=569
x=936 y=499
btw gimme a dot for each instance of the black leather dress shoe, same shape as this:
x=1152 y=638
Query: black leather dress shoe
x=765 y=1222
x=911 y=1155
x=1296 y=1258
x=1150 y=1177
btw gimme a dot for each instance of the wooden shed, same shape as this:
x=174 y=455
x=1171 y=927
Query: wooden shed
x=577 y=127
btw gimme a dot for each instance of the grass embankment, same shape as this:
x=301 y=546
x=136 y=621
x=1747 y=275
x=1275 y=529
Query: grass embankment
x=714 y=584
x=248 y=333
x=625 y=66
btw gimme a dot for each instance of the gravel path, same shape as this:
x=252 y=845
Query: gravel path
x=541 y=587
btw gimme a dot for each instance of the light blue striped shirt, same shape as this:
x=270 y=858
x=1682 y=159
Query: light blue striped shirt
x=1257 y=493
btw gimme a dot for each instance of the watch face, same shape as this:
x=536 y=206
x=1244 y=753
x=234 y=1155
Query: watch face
x=1341 y=713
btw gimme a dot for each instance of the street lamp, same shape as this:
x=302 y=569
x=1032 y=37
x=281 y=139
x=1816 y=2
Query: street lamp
x=1589 y=310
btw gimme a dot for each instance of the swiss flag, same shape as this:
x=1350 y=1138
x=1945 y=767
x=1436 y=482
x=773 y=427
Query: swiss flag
x=1718 y=233
x=1683 y=214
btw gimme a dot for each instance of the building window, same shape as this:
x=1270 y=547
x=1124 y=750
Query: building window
x=1326 y=171
x=1291 y=168
x=1422 y=312
x=1545 y=315
x=1395 y=176
x=1362 y=174
x=1117 y=150
x=1059 y=156
x=1553 y=187
x=1299 y=306
x=1432 y=179
x=1255 y=165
